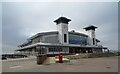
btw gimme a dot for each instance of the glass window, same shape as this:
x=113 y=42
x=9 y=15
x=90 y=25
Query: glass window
x=78 y=40
x=93 y=41
x=65 y=38
x=53 y=49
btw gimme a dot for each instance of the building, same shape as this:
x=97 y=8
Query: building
x=62 y=41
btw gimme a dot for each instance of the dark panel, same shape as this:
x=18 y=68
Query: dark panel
x=65 y=38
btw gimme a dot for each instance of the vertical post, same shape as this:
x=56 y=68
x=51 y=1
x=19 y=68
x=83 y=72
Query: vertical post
x=108 y=50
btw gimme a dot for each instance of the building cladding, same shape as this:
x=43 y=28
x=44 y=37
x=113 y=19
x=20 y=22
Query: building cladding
x=62 y=41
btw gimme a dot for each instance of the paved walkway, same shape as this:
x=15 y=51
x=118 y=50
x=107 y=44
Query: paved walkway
x=106 y=64
x=49 y=60
x=18 y=59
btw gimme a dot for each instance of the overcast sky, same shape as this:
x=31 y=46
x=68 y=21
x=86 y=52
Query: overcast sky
x=20 y=20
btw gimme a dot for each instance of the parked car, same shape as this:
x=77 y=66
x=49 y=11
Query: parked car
x=4 y=58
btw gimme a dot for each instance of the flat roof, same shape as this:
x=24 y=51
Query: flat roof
x=60 y=45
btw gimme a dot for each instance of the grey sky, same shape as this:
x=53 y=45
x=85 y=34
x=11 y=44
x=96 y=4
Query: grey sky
x=22 y=20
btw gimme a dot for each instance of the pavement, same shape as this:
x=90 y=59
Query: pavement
x=104 y=64
x=49 y=60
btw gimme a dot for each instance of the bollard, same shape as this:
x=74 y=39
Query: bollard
x=60 y=58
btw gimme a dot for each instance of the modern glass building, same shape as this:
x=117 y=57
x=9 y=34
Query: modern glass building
x=62 y=41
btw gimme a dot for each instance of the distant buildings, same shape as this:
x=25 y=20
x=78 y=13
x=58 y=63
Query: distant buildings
x=5 y=56
x=62 y=41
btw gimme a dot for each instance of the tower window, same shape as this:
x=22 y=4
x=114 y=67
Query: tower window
x=65 y=38
x=93 y=41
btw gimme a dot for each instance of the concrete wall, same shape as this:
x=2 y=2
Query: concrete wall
x=62 y=29
x=91 y=35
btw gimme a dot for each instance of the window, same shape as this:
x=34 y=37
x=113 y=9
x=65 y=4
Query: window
x=65 y=38
x=77 y=40
x=38 y=40
x=52 y=49
x=93 y=41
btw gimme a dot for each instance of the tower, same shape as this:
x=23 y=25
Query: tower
x=62 y=27
x=91 y=34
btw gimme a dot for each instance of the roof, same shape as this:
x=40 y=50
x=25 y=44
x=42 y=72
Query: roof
x=54 y=32
x=43 y=33
x=25 y=43
x=91 y=27
x=62 y=20
x=60 y=45
x=97 y=40
x=77 y=33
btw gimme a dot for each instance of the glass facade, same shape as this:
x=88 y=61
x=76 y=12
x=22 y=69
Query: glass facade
x=73 y=39
x=53 y=49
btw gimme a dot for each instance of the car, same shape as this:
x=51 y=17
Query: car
x=4 y=58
